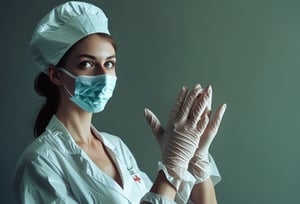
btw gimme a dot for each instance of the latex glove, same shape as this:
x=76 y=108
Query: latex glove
x=200 y=165
x=180 y=138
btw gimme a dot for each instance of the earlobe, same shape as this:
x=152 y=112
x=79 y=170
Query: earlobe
x=54 y=75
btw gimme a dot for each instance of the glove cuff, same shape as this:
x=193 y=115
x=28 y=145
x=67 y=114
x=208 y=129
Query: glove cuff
x=200 y=167
x=183 y=185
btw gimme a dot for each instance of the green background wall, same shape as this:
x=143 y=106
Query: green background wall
x=248 y=50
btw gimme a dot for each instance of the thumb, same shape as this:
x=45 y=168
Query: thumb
x=155 y=125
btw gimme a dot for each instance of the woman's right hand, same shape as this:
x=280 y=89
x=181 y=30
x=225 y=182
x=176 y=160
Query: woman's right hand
x=187 y=122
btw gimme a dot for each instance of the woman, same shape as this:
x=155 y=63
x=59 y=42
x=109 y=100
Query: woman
x=70 y=161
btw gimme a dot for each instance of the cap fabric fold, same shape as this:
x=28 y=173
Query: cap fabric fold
x=61 y=28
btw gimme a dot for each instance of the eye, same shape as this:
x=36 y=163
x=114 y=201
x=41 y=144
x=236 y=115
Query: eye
x=109 y=64
x=86 y=65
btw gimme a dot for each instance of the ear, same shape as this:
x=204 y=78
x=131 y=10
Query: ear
x=55 y=75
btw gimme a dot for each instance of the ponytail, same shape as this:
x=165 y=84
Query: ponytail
x=44 y=87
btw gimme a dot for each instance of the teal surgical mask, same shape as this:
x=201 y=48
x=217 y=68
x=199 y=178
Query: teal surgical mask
x=91 y=92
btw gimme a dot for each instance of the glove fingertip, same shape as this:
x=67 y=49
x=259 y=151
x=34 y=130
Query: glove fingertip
x=148 y=116
x=151 y=118
x=224 y=106
x=221 y=110
x=146 y=111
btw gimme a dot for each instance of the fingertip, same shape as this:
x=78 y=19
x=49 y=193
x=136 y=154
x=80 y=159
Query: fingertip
x=209 y=89
x=197 y=86
x=146 y=111
x=223 y=109
x=183 y=91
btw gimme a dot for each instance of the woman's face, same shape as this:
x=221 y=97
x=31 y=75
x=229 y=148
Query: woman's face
x=92 y=55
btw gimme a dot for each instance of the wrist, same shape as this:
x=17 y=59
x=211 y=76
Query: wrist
x=163 y=187
x=200 y=167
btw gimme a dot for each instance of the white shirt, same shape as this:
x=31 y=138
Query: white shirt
x=54 y=169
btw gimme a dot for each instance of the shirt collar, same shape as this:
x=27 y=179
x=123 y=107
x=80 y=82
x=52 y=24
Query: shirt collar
x=64 y=140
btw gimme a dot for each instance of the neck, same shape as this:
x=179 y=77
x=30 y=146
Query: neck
x=77 y=122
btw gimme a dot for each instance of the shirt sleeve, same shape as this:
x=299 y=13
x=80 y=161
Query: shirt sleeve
x=36 y=182
x=156 y=199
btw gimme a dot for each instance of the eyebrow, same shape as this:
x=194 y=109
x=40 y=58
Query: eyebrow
x=93 y=57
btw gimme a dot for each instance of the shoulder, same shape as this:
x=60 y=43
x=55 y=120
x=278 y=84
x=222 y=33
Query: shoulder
x=40 y=152
x=46 y=155
x=39 y=146
x=38 y=162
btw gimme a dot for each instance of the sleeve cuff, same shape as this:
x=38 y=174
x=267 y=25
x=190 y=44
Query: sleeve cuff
x=183 y=187
x=156 y=199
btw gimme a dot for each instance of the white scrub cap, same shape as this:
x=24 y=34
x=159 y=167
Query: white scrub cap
x=61 y=28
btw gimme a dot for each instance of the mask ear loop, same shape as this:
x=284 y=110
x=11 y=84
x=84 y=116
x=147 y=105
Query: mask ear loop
x=70 y=75
x=68 y=92
x=67 y=72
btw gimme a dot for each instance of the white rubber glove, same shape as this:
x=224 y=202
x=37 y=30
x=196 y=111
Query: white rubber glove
x=200 y=165
x=181 y=137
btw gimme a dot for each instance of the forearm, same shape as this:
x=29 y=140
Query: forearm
x=204 y=193
x=162 y=186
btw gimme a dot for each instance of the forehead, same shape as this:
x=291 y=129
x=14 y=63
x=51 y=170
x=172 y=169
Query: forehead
x=94 y=45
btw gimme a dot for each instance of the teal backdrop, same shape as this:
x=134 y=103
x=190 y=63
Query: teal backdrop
x=248 y=50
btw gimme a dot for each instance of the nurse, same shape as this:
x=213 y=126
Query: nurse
x=70 y=161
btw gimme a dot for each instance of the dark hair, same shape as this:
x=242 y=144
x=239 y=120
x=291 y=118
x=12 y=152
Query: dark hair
x=44 y=87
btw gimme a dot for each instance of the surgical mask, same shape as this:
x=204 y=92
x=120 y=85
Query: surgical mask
x=91 y=92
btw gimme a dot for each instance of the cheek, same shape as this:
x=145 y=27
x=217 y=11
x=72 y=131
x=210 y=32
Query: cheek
x=69 y=83
x=112 y=72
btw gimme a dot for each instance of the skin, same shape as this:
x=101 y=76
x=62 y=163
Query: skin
x=204 y=193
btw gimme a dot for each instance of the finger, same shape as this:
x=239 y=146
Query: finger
x=155 y=124
x=179 y=102
x=202 y=124
x=209 y=105
x=200 y=107
x=195 y=102
x=213 y=126
x=187 y=106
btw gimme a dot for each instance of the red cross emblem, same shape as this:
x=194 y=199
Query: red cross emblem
x=136 y=178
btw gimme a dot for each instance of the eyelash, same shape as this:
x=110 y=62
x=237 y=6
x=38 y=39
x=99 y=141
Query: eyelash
x=83 y=64
x=112 y=64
